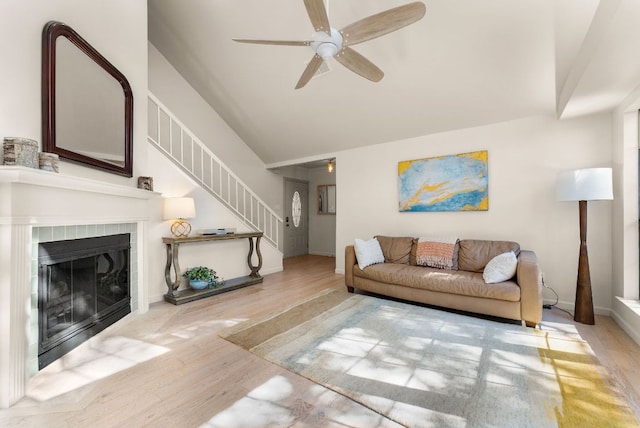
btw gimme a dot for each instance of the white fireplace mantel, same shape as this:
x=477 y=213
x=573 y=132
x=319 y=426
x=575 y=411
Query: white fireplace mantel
x=37 y=177
x=33 y=198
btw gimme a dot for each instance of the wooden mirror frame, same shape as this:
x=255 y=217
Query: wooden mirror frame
x=51 y=32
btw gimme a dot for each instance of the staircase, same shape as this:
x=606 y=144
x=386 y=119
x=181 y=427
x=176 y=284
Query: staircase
x=186 y=151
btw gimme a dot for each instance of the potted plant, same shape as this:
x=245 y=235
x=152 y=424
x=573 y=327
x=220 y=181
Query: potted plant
x=201 y=277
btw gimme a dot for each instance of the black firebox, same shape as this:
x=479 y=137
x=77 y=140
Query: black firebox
x=83 y=287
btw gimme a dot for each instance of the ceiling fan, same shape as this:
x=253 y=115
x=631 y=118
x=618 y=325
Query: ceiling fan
x=327 y=42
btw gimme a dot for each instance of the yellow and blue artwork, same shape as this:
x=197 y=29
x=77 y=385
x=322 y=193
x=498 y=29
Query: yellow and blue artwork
x=445 y=183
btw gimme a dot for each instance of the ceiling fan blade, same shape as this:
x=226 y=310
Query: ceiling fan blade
x=318 y=15
x=311 y=69
x=359 y=64
x=382 y=23
x=275 y=42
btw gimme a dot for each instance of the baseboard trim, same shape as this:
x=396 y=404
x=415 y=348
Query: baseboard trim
x=569 y=306
x=270 y=271
x=323 y=254
x=632 y=307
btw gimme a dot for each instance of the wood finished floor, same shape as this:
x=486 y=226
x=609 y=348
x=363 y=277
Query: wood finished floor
x=169 y=368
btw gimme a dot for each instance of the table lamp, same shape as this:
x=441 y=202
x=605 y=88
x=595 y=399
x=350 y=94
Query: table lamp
x=584 y=185
x=179 y=209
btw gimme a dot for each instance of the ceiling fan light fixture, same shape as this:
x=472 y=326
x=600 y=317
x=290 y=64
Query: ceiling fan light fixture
x=327 y=46
x=327 y=50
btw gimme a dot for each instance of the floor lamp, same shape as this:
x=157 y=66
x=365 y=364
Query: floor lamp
x=582 y=185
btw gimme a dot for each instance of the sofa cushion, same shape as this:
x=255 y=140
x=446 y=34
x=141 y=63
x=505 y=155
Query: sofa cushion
x=395 y=249
x=500 y=268
x=445 y=281
x=474 y=254
x=368 y=252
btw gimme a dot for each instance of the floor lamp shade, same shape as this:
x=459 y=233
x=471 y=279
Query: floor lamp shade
x=179 y=209
x=590 y=184
x=582 y=185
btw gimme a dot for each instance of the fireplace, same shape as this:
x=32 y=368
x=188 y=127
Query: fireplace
x=83 y=287
x=43 y=208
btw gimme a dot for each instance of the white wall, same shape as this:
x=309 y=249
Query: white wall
x=170 y=87
x=125 y=45
x=625 y=233
x=524 y=158
x=229 y=258
x=322 y=228
x=117 y=29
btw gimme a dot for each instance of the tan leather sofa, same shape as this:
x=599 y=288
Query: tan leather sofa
x=463 y=289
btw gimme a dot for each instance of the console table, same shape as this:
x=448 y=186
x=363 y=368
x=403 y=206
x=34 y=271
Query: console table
x=187 y=295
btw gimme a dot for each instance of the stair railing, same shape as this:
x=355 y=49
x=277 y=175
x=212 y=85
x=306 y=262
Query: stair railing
x=181 y=146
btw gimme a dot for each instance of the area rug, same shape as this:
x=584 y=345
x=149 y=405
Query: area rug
x=423 y=367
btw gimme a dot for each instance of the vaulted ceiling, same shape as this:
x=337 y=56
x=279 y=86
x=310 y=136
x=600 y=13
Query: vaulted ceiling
x=466 y=63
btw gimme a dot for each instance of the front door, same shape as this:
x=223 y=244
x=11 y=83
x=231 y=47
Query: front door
x=296 y=217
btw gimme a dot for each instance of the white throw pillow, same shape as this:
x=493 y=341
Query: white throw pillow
x=500 y=268
x=368 y=252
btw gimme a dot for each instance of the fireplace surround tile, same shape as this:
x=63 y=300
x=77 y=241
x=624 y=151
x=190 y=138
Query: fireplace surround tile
x=59 y=233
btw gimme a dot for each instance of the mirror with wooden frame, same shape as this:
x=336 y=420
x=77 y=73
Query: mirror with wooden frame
x=87 y=104
x=327 y=199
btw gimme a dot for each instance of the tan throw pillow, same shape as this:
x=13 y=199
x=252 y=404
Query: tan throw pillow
x=395 y=249
x=500 y=268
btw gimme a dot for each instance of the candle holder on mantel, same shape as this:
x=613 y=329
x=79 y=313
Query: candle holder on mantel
x=20 y=151
x=48 y=161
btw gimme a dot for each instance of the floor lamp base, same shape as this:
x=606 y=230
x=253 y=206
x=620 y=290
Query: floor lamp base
x=584 y=301
x=584 y=305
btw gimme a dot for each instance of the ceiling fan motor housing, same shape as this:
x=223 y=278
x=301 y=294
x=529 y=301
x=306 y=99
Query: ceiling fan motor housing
x=325 y=45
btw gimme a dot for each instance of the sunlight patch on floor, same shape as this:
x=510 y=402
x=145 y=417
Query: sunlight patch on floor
x=259 y=407
x=197 y=329
x=562 y=327
x=276 y=403
x=88 y=364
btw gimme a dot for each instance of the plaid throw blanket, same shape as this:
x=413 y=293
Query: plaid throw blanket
x=436 y=252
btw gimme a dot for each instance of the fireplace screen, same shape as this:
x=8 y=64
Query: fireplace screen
x=83 y=288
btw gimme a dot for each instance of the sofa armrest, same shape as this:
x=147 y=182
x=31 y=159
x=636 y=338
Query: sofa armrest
x=349 y=262
x=529 y=279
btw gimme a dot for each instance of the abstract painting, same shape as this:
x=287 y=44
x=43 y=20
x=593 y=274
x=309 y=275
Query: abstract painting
x=445 y=183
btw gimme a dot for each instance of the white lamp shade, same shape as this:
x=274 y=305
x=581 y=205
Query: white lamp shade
x=179 y=208
x=589 y=184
